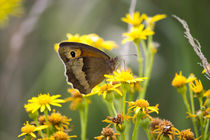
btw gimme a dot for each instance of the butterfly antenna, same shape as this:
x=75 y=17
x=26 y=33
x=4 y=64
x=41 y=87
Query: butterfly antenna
x=123 y=60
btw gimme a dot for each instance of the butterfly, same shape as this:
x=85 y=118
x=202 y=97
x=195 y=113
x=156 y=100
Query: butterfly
x=85 y=65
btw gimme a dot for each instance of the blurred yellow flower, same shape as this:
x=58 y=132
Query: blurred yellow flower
x=179 y=80
x=105 y=89
x=73 y=38
x=137 y=33
x=29 y=129
x=59 y=121
x=42 y=102
x=135 y=19
x=123 y=76
x=9 y=8
x=186 y=135
x=56 y=47
x=151 y=20
x=90 y=39
x=196 y=87
x=76 y=98
x=204 y=70
x=207 y=94
x=143 y=106
x=61 y=135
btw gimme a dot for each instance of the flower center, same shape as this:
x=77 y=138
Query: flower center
x=126 y=76
x=179 y=81
x=107 y=132
x=55 y=118
x=28 y=128
x=105 y=87
x=60 y=135
x=141 y=103
x=44 y=99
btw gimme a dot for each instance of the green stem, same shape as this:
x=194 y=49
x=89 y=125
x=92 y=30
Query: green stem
x=148 y=134
x=135 y=130
x=201 y=116
x=193 y=112
x=47 y=122
x=83 y=119
x=82 y=122
x=124 y=103
x=37 y=124
x=206 y=129
x=111 y=108
x=28 y=137
x=127 y=129
x=148 y=74
x=149 y=59
x=186 y=102
x=140 y=60
x=123 y=107
x=122 y=136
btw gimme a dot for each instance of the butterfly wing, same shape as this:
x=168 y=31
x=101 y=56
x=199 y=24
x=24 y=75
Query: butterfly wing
x=87 y=69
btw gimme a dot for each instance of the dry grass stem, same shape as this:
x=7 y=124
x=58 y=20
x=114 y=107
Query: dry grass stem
x=196 y=46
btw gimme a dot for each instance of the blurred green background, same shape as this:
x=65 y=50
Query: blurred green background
x=29 y=65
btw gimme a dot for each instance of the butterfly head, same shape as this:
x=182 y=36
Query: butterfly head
x=113 y=63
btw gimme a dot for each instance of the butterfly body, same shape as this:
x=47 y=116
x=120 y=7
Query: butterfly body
x=85 y=65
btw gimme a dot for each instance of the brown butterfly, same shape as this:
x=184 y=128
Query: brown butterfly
x=85 y=65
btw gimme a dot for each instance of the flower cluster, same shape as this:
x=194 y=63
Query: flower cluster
x=9 y=8
x=90 y=39
x=195 y=90
x=122 y=94
x=142 y=26
x=54 y=126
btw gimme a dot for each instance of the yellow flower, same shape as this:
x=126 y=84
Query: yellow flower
x=204 y=70
x=134 y=19
x=197 y=87
x=154 y=123
x=60 y=122
x=143 y=106
x=105 y=89
x=90 y=39
x=108 y=134
x=207 y=113
x=76 y=99
x=60 y=135
x=73 y=38
x=43 y=102
x=151 y=20
x=9 y=8
x=191 y=115
x=123 y=76
x=179 y=80
x=207 y=94
x=29 y=130
x=56 y=47
x=137 y=33
x=98 y=42
x=117 y=120
x=165 y=128
x=186 y=135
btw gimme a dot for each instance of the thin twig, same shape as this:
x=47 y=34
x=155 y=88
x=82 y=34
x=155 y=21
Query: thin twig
x=132 y=10
x=11 y=93
x=196 y=46
x=125 y=49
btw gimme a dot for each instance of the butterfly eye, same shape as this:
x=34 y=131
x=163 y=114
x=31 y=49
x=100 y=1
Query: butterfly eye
x=72 y=53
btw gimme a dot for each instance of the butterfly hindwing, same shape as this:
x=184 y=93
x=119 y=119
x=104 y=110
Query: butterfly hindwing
x=85 y=65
